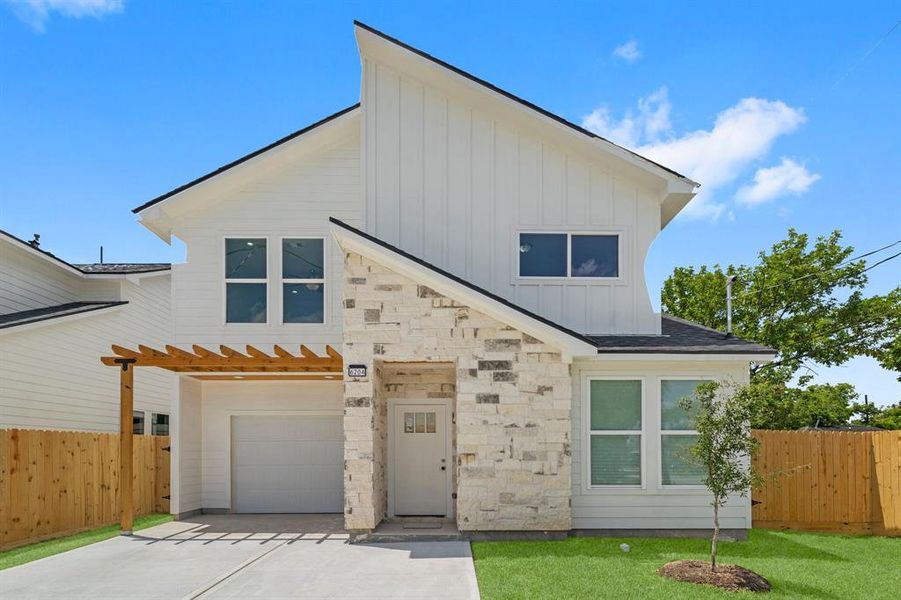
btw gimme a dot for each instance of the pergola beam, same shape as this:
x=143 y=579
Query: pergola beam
x=200 y=360
x=177 y=359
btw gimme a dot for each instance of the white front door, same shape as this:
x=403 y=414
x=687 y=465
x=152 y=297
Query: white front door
x=421 y=468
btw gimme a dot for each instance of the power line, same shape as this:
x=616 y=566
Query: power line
x=842 y=264
x=866 y=54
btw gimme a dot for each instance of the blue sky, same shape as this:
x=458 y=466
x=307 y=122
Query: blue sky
x=787 y=113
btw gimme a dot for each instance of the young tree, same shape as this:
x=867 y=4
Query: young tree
x=724 y=446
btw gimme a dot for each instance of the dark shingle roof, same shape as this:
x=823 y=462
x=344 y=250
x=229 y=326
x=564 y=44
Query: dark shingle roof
x=679 y=336
x=92 y=268
x=35 y=315
x=121 y=268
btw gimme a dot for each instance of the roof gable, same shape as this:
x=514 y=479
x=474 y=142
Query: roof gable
x=156 y=214
x=352 y=239
x=385 y=49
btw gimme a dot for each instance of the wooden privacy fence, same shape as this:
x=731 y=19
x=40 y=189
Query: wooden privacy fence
x=56 y=482
x=829 y=481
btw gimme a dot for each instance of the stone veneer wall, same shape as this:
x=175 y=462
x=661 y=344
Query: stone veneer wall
x=513 y=399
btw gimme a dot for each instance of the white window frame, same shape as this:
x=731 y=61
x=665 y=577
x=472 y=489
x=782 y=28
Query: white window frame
x=226 y=280
x=662 y=432
x=642 y=433
x=283 y=280
x=569 y=233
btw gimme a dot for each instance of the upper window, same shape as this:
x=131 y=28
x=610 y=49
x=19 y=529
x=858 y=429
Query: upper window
x=615 y=430
x=303 y=280
x=245 y=280
x=159 y=424
x=677 y=434
x=568 y=255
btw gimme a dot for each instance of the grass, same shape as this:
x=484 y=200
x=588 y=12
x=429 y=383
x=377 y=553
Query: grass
x=804 y=565
x=26 y=554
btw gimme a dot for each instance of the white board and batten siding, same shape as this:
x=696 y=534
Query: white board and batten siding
x=454 y=184
x=285 y=199
x=51 y=376
x=652 y=506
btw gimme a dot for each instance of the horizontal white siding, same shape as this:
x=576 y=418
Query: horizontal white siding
x=223 y=399
x=655 y=506
x=454 y=184
x=295 y=198
x=28 y=281
x=51 y=376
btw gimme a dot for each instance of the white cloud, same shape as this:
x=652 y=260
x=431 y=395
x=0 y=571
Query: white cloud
x=715 y=157
x=788 y=177
x=36 y=12
x=649 y=122
x=629 y=51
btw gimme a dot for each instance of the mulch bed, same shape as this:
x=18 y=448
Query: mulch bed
x=727 y=577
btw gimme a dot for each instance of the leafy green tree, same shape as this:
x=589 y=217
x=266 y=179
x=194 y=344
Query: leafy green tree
x=889 y=417
x=805 y=301
x=724 y=445
x=886 y=418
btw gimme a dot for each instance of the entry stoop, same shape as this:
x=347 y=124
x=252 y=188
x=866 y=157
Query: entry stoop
x=410 y=529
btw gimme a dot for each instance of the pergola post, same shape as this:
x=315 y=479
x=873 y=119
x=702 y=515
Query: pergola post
x=126 y=445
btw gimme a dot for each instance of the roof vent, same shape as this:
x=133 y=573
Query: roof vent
x=36 y=241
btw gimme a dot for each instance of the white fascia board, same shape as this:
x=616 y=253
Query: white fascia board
x=683 y=357
x=132 y=277
x=569 y=345
x=27 y=248
x=60 y=320
x=391 y=54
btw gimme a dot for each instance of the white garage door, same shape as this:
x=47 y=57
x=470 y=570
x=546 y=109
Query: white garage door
x=288 y=464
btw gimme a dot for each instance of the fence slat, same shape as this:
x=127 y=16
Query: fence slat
x=829 y=481
x=57 y=482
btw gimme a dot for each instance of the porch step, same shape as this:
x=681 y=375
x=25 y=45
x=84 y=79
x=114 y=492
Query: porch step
x=401 y=531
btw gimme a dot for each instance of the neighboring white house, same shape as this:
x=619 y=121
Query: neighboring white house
x=480 y=262
x=57 y=319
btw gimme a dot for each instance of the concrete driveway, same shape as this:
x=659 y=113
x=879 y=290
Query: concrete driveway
x=248 y=556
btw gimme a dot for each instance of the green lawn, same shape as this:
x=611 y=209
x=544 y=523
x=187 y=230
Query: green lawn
x=24 y=554
x=796 y=564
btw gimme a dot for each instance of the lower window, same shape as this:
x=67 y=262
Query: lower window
x=159 y=424
x=677 y=434
x=615 y=431
x=137 y=422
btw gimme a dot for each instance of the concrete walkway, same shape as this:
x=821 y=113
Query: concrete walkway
x=248 y=556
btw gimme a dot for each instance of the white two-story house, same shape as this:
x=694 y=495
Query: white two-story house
x=479 y=264
x=56 y=318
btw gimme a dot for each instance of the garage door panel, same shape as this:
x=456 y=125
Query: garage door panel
x=290 y=463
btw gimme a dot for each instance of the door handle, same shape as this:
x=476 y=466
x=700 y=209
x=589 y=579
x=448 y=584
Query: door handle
x=443 y=468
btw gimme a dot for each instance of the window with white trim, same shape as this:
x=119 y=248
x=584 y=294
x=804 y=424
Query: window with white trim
x=246 y=288
x=303 y=280
x=570 y=255
x=615 y=429
x=678 y=434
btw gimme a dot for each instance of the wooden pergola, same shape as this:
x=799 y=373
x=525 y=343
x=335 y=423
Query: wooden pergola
x=203 y=363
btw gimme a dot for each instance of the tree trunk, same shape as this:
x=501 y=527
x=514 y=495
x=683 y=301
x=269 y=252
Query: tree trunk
x=716 y=534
